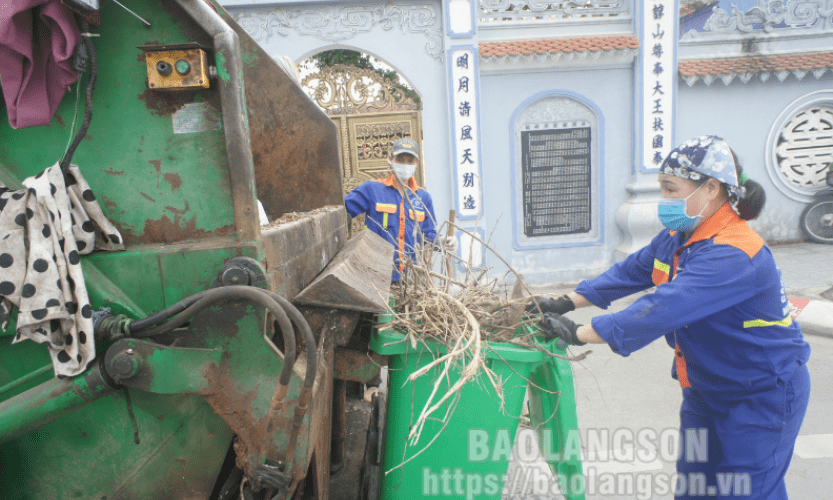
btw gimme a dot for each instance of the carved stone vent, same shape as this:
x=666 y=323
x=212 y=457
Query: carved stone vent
x=805 y=147
x=342 y=90
x=525 y=11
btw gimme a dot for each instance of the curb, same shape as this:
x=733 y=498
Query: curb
x=814 y=316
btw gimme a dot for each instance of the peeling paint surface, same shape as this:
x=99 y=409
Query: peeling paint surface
x=165 y=230
x=174 y=180
x=196 y=117
x=222 y=71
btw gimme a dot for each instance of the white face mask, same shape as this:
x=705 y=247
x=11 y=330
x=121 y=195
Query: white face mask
x=403 y=171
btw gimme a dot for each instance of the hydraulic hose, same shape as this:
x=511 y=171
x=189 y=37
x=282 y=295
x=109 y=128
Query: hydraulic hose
x=309 y=339
x=189 y=307
x=282 y=310
x=306 y=390
x=164 y=314
x=216 y=295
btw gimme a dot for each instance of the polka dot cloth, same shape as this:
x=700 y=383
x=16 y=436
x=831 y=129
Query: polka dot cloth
x=44 y=229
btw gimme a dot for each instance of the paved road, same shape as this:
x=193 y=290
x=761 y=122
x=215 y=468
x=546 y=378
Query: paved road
x=807 y=269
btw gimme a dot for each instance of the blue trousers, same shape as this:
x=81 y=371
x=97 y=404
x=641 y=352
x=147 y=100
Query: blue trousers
x=739 y=445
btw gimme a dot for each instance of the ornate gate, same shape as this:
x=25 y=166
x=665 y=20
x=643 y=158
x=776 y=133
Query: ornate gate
x=371 y=112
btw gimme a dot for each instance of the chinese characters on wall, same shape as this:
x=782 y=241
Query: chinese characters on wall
x=465 y=125
x=658 y=46
x=555 y=174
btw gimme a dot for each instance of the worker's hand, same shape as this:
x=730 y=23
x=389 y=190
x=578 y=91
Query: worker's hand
x=557 y=305
x=557 y=326
x=449 y=244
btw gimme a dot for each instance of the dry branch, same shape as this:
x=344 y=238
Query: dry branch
x=457 y=317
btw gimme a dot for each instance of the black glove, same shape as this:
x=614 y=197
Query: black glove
x=555 y=325
x=558 y=305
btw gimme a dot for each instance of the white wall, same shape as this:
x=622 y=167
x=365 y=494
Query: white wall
x=611 y=91
x=744 y=113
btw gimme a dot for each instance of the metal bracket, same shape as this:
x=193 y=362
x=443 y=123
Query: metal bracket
x=243 y=271
x=160 y=369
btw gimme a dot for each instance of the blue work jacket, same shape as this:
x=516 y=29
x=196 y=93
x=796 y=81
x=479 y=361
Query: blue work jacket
x=394 y=219
x=719 y=302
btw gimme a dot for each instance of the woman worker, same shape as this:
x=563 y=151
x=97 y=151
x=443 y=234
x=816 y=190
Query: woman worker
x=719 y=302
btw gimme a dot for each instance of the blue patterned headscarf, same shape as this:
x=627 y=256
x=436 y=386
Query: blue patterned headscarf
x=708 y=156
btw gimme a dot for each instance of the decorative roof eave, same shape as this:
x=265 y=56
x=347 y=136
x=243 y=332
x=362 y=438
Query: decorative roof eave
x=765 y=66
x=581 y=51
x=727 y=78
x=560 y=56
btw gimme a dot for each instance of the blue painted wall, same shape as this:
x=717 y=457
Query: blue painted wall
x=744 y=114
x=611 y=90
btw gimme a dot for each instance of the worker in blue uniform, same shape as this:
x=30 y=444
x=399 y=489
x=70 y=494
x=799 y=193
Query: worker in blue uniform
x=397 y=209
x=738 y=355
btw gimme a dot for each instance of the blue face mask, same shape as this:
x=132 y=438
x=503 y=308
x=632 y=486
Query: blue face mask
x=673 y=214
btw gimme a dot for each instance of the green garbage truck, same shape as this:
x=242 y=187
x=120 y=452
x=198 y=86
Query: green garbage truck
x=224 y=350
x=158 y=339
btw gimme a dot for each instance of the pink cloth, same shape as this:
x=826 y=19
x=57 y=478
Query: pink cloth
x=37 y=44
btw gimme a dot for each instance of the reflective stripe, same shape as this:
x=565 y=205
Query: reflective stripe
x=420 y=215
x=660 y=273
x=662 y=266
x=760 y=322
x=387 y=208
x=385 y=220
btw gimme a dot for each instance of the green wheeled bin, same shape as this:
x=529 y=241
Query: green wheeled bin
x=465 y=448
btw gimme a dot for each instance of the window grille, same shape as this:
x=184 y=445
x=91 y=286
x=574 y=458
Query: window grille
x=804 y=147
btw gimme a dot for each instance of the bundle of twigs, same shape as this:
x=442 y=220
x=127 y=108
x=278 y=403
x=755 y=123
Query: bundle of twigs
x=456 y=317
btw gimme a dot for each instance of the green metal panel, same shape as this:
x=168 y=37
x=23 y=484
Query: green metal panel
x=91 y=453
x=181 y=441
x=28 y=358
x=23 y=370
x=141 y=282
x=159 y=188
x=153 y=184
x=128 y=282
x=50 y=400
x=168 y=190
x=184 y=273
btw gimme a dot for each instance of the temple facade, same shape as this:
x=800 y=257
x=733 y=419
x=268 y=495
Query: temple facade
x=543 y=124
